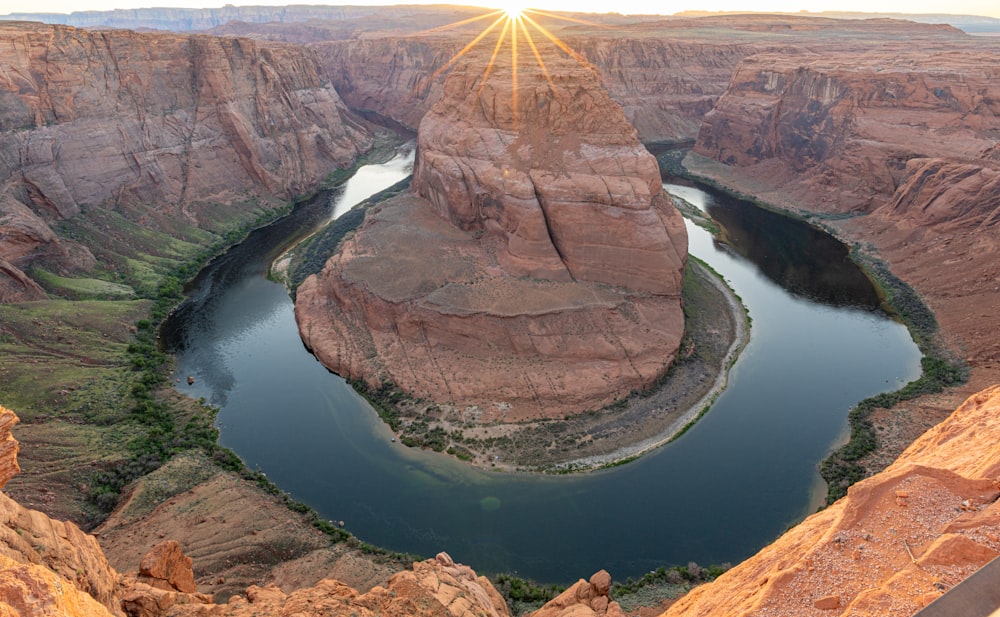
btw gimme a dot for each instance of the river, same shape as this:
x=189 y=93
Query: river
x=729 y=486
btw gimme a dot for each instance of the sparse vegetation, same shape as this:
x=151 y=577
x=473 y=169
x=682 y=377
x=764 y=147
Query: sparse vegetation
x=663 y=583
x=939 y=371
x=522 y=595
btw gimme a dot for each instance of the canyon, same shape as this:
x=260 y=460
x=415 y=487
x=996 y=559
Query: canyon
x=883 y=132
x=896 y=155
x=890 y=547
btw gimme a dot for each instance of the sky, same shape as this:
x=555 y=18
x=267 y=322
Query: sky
x=989 y=8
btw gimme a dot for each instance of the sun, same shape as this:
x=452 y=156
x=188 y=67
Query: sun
x=515 y=22
x=514 y=10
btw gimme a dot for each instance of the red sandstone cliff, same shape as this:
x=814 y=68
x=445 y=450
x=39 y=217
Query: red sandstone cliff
x=192 y=125
x=666 y=73
x=904 y=141
x=843 y=133
x=538 y=276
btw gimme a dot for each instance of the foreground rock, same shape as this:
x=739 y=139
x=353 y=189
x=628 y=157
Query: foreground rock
x=892 y=545
x=537 y=271
x=583 y=599
x=165 y=131
x=47 y=567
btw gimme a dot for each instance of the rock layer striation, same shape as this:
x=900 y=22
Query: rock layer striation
x=894 y=150
x=536 y=272
x=163 y=130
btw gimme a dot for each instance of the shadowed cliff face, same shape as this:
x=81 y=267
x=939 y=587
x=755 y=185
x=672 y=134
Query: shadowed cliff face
x=536 y=272
x=905 y=142
x=191 y=125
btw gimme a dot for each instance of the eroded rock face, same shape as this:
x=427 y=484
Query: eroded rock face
x=8 y=446
x=557 y=175
x=167 y=567
x=436 y=587
x=842 y=132
x=540 y=275
x=665 y=72
x=121 y=120
x=47 y=567
x=583 y=599
x=924 y=524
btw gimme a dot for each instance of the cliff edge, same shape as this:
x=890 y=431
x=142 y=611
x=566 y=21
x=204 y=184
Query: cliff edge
x=897 y=541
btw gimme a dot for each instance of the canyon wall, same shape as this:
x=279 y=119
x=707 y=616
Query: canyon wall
x=665 y=73
x=535 y=273
x=165 y=130
x=664 y=87
x=894 y=151
x=841 y=134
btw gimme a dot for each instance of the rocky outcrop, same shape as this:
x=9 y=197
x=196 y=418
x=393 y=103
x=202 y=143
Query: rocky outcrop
x=47 y=567
x=892 y=545
x=194 y=125
x=845 y=132
x=8 y=446
x=165 y=580
x=166 y=567
x=436 y=587
x=583 y=599
x=554 y=172
x=537 y=274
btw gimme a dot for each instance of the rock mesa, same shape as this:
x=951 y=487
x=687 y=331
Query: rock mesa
x=535 y=270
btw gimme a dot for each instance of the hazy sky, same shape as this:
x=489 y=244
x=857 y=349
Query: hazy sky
x=967 y=7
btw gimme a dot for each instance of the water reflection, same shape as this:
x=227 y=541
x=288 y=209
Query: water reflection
x=800 y=258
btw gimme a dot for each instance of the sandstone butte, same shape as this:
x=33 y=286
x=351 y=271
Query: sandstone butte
x=535 y=269
x=891 y=546
x=205 y=128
